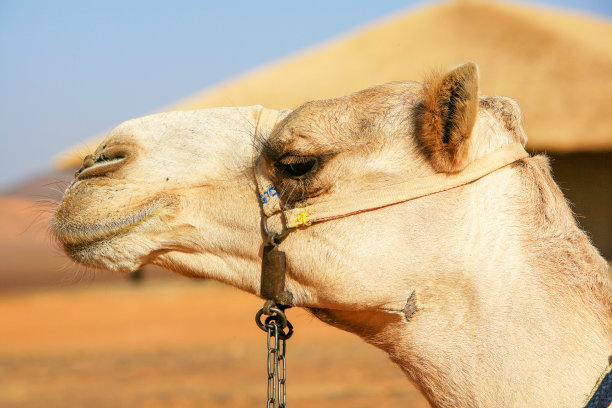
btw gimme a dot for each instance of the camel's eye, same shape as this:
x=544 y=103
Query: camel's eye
x=296 y=166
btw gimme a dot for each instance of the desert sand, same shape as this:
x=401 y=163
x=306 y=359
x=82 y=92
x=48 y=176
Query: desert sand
x=177 y=343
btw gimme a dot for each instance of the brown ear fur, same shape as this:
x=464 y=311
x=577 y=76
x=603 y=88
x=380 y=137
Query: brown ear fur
x=445 y=118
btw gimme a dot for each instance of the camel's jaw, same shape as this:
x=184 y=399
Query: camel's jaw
x=112 y=236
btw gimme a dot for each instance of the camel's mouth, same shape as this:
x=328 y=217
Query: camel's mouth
x=77 y=237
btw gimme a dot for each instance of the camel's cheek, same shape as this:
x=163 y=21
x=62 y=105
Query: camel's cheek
x=323 y=257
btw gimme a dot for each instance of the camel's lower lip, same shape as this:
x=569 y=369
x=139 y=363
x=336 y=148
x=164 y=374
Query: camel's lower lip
x=76 y=236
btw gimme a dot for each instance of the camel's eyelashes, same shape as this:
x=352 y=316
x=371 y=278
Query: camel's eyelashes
x=296 y=166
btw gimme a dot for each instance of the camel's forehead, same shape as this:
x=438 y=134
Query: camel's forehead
x=346 y=120
x=367 y=103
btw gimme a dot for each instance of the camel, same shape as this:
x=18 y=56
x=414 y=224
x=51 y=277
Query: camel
x=486 y=294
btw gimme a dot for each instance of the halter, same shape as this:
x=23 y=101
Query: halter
x=374 y=199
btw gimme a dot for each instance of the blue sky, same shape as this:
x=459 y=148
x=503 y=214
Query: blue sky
x=70 y=69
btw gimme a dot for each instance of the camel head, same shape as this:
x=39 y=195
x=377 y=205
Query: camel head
x=178 y=189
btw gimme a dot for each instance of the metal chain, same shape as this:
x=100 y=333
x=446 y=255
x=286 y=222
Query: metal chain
x=276 y=368
x=274 y=325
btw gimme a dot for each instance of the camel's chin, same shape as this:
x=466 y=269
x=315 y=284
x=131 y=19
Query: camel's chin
x=115 y=255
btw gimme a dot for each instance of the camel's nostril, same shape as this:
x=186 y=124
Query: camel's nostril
x=88 y=161
x=103 y=162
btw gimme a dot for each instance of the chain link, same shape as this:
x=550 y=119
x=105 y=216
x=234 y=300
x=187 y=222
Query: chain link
x=274 y=325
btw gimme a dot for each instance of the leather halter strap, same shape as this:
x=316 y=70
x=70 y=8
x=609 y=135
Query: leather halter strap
x=354 y=203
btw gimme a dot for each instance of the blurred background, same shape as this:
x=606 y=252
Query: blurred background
x=72 y=70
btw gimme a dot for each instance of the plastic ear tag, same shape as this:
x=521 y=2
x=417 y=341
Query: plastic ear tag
x=273 y=269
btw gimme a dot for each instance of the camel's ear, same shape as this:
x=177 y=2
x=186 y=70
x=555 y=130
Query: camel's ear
x=445 y=117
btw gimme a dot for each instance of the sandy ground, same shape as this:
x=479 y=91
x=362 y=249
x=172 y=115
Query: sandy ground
x=176 y=344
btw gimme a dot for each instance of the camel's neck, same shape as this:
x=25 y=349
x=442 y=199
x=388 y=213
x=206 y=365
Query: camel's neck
x=519 y=316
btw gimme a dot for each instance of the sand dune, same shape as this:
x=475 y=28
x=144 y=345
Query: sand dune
x=558 y=65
